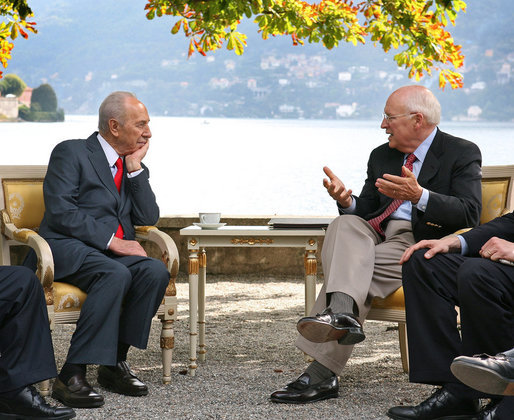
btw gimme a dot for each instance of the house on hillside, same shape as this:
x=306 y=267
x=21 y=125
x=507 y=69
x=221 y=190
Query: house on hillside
x=26 y=97
x=9 y=107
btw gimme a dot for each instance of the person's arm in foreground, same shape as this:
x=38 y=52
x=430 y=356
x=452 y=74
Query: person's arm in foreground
x=494 y=249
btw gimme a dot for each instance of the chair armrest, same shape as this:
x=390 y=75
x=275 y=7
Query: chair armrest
x=462 y=231
x=45 y=260
x=168 y=249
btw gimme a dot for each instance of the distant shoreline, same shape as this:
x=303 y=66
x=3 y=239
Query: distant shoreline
x=70 y=117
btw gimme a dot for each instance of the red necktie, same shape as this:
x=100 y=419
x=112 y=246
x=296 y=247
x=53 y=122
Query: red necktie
x=376 y=221
x=117 y=180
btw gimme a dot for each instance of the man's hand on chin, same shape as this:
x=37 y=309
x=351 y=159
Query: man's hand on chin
x=123 y=248
x=133 y=160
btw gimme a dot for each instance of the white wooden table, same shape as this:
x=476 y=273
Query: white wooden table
x=239 y=236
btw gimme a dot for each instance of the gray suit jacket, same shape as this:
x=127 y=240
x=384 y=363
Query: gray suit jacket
x=451 y=172
x=83 y=207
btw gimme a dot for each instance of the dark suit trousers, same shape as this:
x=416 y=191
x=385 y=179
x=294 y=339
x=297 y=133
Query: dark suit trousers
x=26 y=352
x=484 y=292
x=124 y=294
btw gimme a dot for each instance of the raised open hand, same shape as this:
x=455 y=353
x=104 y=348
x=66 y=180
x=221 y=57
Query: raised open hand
x=336 y=188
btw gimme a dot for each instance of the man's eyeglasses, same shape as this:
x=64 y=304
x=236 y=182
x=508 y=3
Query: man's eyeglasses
x=390 y=118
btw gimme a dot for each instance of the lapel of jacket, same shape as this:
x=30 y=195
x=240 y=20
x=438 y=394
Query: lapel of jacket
x=396 y=162
x=101 y=166
x=432 y=162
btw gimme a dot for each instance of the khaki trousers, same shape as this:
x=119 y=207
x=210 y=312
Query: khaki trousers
x=358 y=262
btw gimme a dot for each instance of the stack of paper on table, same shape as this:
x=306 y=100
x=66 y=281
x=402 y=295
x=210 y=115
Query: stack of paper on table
x=300 y=222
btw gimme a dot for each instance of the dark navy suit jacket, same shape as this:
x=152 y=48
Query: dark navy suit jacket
x=501 y=227
x=451 y=172
x=83 y=207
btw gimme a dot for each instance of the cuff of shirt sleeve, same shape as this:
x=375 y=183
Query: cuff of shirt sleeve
x=463 y=245
x=135 y=173
x=348 y=210
x=423 y=201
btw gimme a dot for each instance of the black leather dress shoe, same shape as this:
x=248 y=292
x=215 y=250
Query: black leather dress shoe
x=328 y=326
x=490 y=412
x=121 y=379
x=302 y=391
x=77 y=393
x=442 y=404
x=28 y=404
x=489 y=374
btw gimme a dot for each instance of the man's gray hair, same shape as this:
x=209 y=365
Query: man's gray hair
x=424 y=101
x=113 y=107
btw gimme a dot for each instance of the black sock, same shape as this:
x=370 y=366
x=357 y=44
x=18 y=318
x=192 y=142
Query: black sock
x=122 y=352
x=341 y=302
x=69 y=370
x=318 y=372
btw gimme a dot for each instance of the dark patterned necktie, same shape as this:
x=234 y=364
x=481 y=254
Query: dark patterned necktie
x=376 y=221
x=117 y=181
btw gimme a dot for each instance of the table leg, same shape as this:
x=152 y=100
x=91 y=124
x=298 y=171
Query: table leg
x=202 y=349
x=311 y=267
x=193 y=309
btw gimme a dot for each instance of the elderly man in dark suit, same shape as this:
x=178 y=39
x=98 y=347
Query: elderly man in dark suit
x=474 y=271
x=422 y=184
x=95 y=190
x=26 y=352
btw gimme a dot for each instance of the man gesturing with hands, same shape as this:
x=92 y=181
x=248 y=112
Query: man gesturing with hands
x=421 y=184
x=95 y=191
x=403 y=187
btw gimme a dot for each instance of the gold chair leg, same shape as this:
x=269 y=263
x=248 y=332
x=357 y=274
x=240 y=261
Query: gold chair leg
x=404 y=345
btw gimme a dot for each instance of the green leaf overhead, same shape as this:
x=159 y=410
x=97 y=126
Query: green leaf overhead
x=416 y=29
x=14 y=22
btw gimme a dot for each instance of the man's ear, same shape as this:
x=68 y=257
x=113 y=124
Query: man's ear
x=114 y=127
x=418 y=119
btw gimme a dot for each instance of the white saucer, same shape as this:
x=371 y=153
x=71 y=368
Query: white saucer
x=209 y=225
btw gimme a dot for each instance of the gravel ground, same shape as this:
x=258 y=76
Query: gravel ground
x=250 y=335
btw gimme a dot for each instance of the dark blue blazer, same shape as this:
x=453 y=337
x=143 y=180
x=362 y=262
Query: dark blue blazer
x=451 y=172
x=501 y=227
x=83 y=207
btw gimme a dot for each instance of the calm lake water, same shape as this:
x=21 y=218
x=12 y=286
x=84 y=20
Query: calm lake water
x=256 y=167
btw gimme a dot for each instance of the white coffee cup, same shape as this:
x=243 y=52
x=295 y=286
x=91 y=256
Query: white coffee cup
x=209 y=218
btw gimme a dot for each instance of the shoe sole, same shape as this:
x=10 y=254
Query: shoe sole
x=325 y=397
x=354 y=336
x=75 y=403
x=107 y=384
x=5 y=416
x=321 y=332
x=460 y=417
x=482 y=379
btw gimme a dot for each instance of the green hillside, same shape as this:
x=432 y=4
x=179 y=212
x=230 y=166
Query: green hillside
x=85 y=49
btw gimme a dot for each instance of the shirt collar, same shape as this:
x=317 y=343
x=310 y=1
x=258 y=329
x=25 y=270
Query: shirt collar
x=422 y=149
x=111 y=154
